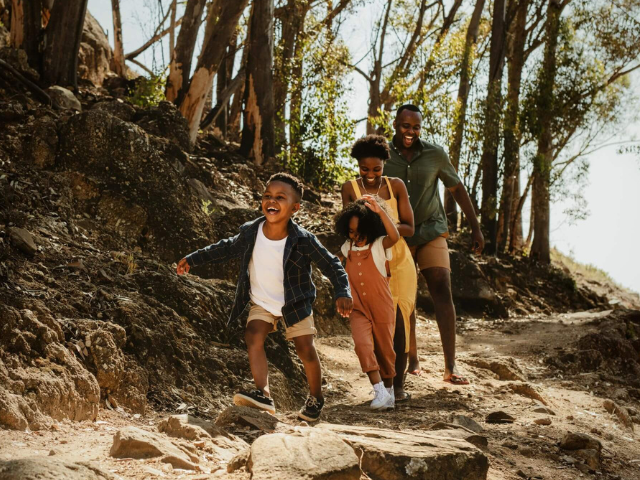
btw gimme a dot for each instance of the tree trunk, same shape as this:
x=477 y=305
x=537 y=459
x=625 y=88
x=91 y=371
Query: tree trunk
x=461 y=114
x=222 y=83
x=180 y=66
x=235 y=111
x=491 y=130
x=62 y=42
x=16 y=35
x=118 y=50
x=212 y=54
x=516 y=237
x=295 y=106
x=540 y=249
x=512 y=134
x=290 y=20
x=172 y=27
x=258 y=133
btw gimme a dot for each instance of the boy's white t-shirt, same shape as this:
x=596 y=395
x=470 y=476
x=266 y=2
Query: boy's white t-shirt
x=266 y=273
x=379 y=253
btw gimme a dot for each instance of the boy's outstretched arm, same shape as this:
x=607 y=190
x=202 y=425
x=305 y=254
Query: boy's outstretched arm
x=331 y=268
x=216 y=253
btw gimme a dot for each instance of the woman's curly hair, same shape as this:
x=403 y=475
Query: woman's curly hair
x=370 y=224
x=371 y=146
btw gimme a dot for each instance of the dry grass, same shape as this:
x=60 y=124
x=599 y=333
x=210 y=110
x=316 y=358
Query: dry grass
x=587 y=271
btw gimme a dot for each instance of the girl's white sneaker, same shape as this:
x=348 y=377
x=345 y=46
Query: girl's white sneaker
x=382 y=400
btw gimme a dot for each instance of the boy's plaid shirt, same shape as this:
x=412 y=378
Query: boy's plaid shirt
x=301 y=248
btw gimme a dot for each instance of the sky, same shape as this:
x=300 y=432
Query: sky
x=608 y=238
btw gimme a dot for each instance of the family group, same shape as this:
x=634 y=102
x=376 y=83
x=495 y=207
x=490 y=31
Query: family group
x=392 y=221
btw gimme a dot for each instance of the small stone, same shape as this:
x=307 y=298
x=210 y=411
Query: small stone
x=528 y=452
x=499 y=417
x=53 y=452
x=23 y=240
x=582 y=467
x=580 y=441
x=510 y=445
x=542 y=421
x=466 y=422
x=545 y=410
x=568 y=459
x=520 y=473
x=64 y=98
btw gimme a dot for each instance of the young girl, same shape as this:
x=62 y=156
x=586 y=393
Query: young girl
x=371 y=152
x=370 y=234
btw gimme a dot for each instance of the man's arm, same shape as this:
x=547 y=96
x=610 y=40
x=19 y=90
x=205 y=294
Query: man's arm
x=461 y=196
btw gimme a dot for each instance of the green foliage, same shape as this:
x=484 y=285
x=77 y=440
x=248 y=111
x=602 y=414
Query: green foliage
x=148 y=91
x=321 y=127
x=207 y=208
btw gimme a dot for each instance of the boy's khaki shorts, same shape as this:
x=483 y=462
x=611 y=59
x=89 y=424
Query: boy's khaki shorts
x=432 y=254
x=305 y=326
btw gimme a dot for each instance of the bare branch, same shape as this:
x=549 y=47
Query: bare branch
x=151 y=41
x=136 y=62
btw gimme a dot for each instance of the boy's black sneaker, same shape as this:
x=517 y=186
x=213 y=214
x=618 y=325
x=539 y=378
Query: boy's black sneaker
x=312 y=409
x=255 y=399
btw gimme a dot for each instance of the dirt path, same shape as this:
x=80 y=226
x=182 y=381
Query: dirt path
x=515 y=348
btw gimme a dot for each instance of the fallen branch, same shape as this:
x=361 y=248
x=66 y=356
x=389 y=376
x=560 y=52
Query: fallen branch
x=134 y=61
x=38 y=92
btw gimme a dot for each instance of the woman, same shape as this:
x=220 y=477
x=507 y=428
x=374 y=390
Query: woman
x=371 y=152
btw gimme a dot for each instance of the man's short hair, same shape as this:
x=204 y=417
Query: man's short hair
x=289 y=179
x=407 y=106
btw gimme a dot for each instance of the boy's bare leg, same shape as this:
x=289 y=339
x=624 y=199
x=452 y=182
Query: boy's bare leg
x=254 y=336
x=306 y=350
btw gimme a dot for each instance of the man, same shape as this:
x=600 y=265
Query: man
x=420 y=164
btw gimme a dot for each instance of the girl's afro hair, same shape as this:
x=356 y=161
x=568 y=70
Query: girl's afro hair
x=369 y=223
x=371 y=146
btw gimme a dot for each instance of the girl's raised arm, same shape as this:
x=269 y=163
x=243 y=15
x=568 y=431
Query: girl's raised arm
x=392 y=232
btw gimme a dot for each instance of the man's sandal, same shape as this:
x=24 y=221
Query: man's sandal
x=417 y=372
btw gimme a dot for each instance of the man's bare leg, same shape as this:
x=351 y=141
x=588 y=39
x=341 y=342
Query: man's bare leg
x=399 y=346
x=439 y=283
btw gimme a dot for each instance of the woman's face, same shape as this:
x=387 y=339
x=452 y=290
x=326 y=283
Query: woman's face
x=371 y=170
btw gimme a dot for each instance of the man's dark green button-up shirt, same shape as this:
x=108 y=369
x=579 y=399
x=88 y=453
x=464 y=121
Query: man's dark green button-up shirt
x=429 y=163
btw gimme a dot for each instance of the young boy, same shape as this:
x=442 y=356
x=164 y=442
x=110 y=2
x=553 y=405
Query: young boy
x=275 y=278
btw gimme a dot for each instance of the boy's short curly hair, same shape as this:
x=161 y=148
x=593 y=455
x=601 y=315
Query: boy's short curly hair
x=371 y=146
x=369 y=223
x=289 y=179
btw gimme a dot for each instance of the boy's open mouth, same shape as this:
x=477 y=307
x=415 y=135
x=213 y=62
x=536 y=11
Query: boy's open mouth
x=272 y=210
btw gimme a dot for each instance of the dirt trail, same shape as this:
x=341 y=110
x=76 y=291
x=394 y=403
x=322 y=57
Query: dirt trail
x=519 y=450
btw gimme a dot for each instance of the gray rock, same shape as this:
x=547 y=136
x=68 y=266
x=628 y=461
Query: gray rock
x=545 y=410
x=245 y=416
x=407 y=455
x=466 y=422
x=117 y=108
x=132 y=442
x=64 y=98
x=309 y=453
x=499 y=417
x=580 y=441
x=23 y=240
x=44 y=468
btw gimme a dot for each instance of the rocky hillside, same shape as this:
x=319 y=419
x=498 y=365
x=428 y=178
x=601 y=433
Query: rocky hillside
x=100 y=198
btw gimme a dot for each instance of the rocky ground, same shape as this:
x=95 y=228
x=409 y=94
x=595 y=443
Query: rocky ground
x=100 y=340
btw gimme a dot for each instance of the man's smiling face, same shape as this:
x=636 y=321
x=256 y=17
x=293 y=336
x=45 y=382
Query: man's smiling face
x=407 y=126
x=279 y=201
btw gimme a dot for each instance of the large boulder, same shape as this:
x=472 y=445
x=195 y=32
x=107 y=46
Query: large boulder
x=404 y=455
x=94 y=56
x=45 y=468
x=51 y=384
x=308 y=453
